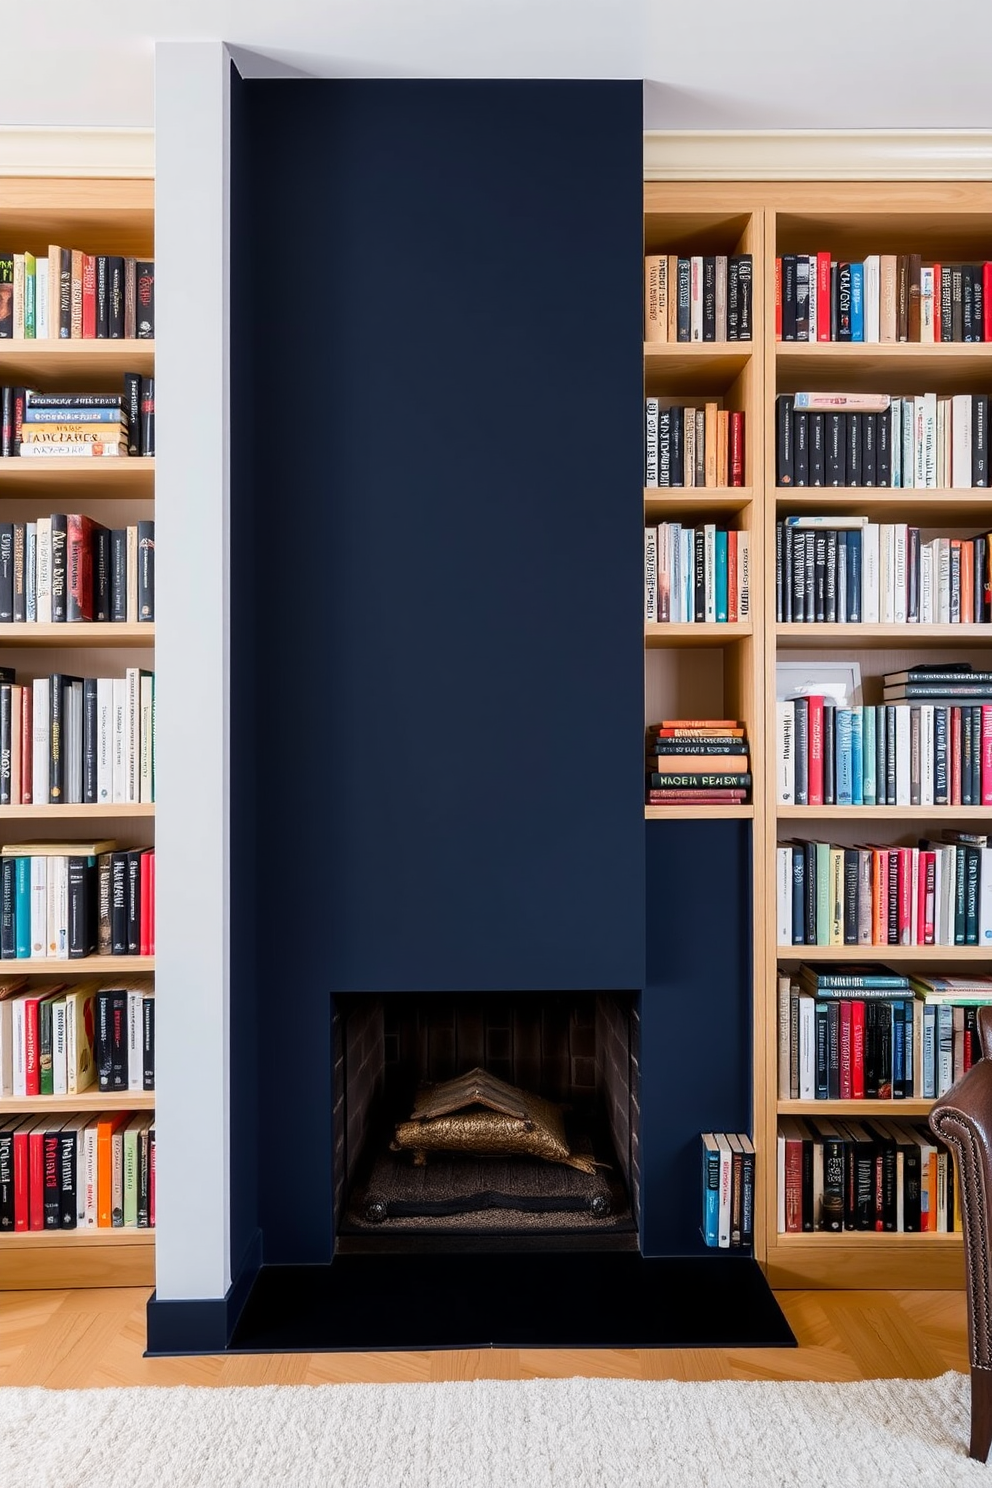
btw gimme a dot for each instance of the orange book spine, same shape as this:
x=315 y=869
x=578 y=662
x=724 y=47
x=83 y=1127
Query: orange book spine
x=879 y=909
x=967 y=583
x=105 y=1168
x=723 y=724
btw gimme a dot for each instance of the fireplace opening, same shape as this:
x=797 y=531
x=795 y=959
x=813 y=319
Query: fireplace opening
x=577 y=1051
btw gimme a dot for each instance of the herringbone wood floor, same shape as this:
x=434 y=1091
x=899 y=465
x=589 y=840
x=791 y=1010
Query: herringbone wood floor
x=84 y=1338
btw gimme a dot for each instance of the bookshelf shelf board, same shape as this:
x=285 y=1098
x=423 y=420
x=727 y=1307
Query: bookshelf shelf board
x=905 y=955
x=76 y=812
x=866 y=1260
x=697 y=813
x=857 y=637
x=936 y=507
x=663 y=502
x=684 y=368
x=709 y=634
x=82 y=966
x=84 y=633
x=855 y=1239
x=94 y=479
x=859 y=366
x=89 y=1102
x=908 y=1108
x=885 y=813
x=46 y=1238
x=51 y=363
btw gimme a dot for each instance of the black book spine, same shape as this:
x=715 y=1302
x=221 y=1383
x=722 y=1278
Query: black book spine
x=854 y=579
x=881 y=756
x=148 y=1043
x=148 y=415
x=20 y=591
x=835 y=425
x=957 y=303
x=851 y=895
x=6 y=294
x=913 y=574
x=802 y=298
x=788 y=545
x=941 y=796
x=946 y=303
x=115 y=269
x=664 y=446
x=809 y=917
x=709 y=299
x=785 y=472
x=67 y=1180
x=56 y=740
x=829 y=726
x=883 y=450
x=809 y=597
x=911 y=1189
x=133 y=903
x=843 y=302
x=733 y=298
x=677 y=479
x=53 y=1199
x=788 y=297
x=82 y=941
x=132 y=406
x=146 y=562
x=799 y=540
x=843 y=579
x=830 y=577
x=683 y=327
x=800 y=444
x=101 y=572
x=977 y=305
x=869 y=449
x=802 y=751
x=118 y=573
x=7 y=421
x=60 y=584
x=118 y=1041
x=798 y=894
x=8 y=937
x=745 y=296
x=118 y=904
x=807 y=1185
x=967 y=799
x=145 y=296
x=820 y=575
x=699 y=574
x=144 y=1176
x=854 y=448
x=5 y=743
x=6 y=571
x=976 y=756
x=817 y=450
x=980 y=439
x=972 y=868
x=6 y=1181
x=890 y=754
x=102 y=297
x=64 y=293
x=833 y=1051
x=90 y=742
x=871 y=1049
x=832 y=1218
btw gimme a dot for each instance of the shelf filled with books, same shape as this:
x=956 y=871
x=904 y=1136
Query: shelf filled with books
x=77 y=362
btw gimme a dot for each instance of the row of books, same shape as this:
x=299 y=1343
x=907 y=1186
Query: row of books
x=900 y=753
x=69 y=568
x=58 y=1038
x=728 y=1189
x=848 y=570
x=926 y=441
x=703 y=298
x=697 y=760
x=64 y=901
x=70 y=295
x=696 y=574
x=68 y=741
x=937 y=893
x=890 y=1037
x=886 y=297
x=692 y=447
x=77 y=1172
x=49 y=425
x=871 y=1174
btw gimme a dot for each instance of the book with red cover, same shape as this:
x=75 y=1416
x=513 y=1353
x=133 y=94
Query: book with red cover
x=736 y=449
x=845 y=1050
x=145 y=899
x=36 y=1176
x=22 y=1171
x=986 y=301
x=151 y=904
x=79 y=566
x=986 y=755
x=814 y=734
x=823 y=297
x=732 y=576
x=857 y=1050
x=778 y=299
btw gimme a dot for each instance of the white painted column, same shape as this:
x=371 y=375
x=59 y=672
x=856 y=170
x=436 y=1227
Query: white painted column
x=192 y=670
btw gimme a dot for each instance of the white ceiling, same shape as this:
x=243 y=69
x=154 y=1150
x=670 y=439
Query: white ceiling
x=712 y=64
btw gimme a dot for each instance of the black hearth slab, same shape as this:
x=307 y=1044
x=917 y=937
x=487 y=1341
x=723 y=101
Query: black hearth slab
x=612 y=1300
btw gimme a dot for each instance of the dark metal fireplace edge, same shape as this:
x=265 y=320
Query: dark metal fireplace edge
x=204 y=1325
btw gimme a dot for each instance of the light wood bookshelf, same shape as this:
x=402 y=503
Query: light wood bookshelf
x=101 y=216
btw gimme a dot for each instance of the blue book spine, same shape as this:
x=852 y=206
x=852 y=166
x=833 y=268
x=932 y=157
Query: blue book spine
x=857 y=758
x=22 y=907
x=895 y=441
x=854 y=610
x=909 y=1073
x=721 y=576
x=868 y=746
x=711 y=1196
x=843 y=761
x=929 y=1044
x=898 y=1050
x=857 y=302
x=798 y=895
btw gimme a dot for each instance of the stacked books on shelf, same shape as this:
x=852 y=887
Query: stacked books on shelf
x=925 y=442
x=696 y=574
x=77 y=1172
x=69 y=568
x=928 y=743
x=848 y=570
x=875 y=1175
x=937 y=893
x=61 y=1038
x=69 y=741
x=703 y=298
x=851 y=1032
x=46 y=425
x=728 y=1189
x=692 y=447
x=70 y=295
x=887 y=297
x=62 y=901
x=698 y=761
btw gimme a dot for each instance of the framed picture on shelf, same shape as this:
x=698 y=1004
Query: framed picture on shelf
x=839 y=680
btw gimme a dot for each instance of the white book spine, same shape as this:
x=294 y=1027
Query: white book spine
x=926 y=306
x=19 y=1048
x=985 y=897
x=909 y=443
x=146 y=773
x=650 y=575
x=135 y=1071
x=943 y=565
x=81 y=1177
x=118 y=741
x=869 y=574
x=696 y=299
x=688 y=559
x=783 y=897
x=926 y=754
x=105 y=739
x=6 y=1047
x=726 y=1171
x=60 y=1049
x=784 y=1034
x=895 y=441
x=930 y=441
x=41 y=301
x=44 y=584
x=919 y=443
x=40 y=741
x=664 y=572
x=743 y=576
x=89 y=1175
x=914 y=900
x=887 y=576
x=871 y=297
x=926 y=584
x=132 y=575
x=807 y=1049
x=39 y=907
x=31 y=572
x=721 y=297
x=651 y=441
x=785 y=753
x=709 y=571
x=132 y=723
x=900 y=586
x=57 y=908
x=961 y=441
x=902 y=754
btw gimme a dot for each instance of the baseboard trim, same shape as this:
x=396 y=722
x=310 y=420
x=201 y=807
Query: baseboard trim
x=202 y=1325
x=818 y=155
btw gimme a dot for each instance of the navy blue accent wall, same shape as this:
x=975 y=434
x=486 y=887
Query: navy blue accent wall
x=695 y=1017
x=439 y=619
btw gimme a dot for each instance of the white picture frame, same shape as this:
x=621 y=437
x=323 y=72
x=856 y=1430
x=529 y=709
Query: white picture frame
x=838 y=680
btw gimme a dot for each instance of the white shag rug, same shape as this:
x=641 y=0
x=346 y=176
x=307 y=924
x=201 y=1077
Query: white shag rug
x=575 y=1433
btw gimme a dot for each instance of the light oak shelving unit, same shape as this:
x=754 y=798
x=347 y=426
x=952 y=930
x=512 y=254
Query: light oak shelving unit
x=102 y=216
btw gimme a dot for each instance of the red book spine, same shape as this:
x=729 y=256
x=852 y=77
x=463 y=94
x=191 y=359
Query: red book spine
x=736 y=449
x=89 y=296
x=936 y=301
x=145 y=922
x=955 y=756
x=656 y=798
x=823 y=297
x=879 y=1191
x=151 y=1179
x=79 y=566
x=21 y=1180
x=921 y=900
x=36 y=1180
x=905 y=881
x=32 y=1069
x=778 y=299
x=928 y=877
x=814 y=754
x=986 y=755
x=857 y=1050
x=845 y=1051
x=987 y=301
x=793 y=1185
x=732 y=575
x=151 y=907
x=27 y=745
x=966 y=1049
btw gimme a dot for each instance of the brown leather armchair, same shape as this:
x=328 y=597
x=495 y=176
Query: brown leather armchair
x=963 y=1119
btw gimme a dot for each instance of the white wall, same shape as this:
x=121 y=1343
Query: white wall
x=723 y=65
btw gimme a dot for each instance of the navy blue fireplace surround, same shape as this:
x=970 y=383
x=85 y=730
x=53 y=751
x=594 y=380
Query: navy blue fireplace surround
x=437 y=681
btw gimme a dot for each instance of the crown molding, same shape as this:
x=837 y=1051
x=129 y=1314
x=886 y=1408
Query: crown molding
x=818 y=155
x=76 y=152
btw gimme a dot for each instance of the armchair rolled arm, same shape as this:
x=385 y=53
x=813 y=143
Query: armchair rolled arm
x=963 y=1119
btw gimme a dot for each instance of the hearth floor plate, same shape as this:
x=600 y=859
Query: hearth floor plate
x=559 y=1300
